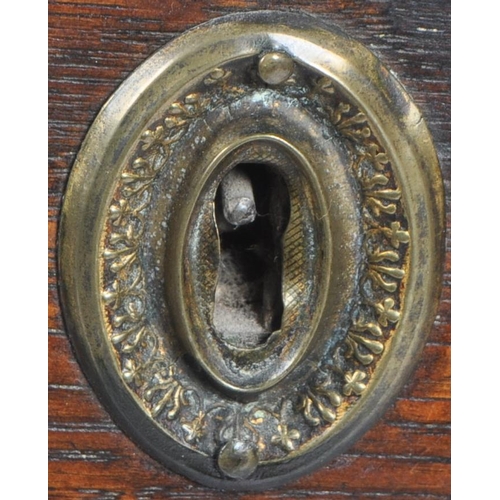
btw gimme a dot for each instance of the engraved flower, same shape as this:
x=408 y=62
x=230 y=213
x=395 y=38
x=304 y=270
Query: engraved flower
x=377 y=156
x=131 y=372
x=386 y=312
x=195 y=428
x=285 y=437
x=396 y=235
x=118 y=211
x=354 y=383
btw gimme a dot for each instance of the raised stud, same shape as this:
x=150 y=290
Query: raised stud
x=275 y=68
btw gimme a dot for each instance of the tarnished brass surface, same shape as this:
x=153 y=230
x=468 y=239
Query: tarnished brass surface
x=352 y=236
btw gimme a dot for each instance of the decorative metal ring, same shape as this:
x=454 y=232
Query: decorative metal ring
x=345 y=252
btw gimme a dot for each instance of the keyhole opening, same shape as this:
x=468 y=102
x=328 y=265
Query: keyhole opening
x=252 y=208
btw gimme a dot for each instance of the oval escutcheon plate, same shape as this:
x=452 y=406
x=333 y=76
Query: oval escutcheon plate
x=251 y=247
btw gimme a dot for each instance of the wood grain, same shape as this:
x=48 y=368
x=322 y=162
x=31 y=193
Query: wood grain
x=93 y=46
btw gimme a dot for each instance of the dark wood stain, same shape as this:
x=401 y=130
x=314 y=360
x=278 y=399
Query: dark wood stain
x=93 y=46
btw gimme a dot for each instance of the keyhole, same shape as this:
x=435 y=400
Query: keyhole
x=252 y=209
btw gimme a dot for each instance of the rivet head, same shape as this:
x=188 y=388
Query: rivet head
x=275 y=67
x=238 y=459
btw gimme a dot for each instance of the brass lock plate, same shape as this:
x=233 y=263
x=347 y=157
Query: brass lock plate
x=251 y=247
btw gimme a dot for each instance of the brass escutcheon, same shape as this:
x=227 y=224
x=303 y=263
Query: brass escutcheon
x=251 y=248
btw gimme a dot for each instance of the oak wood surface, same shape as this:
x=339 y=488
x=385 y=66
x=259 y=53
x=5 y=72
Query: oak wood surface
x=93 y=46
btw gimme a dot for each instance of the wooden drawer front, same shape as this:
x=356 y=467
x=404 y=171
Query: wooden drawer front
x=92 y=48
